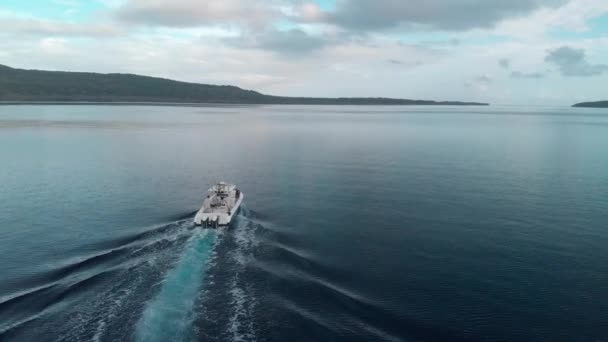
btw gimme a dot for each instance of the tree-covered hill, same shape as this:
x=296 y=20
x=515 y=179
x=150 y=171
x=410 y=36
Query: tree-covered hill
x=19 y=85
x=598 y=104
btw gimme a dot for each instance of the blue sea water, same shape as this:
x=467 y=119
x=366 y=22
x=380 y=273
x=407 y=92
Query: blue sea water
x=359 y=224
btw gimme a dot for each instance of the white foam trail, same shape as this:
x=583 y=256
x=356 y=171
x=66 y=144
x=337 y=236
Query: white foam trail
x=101 y=327
x=240 y=325
x=168 y=316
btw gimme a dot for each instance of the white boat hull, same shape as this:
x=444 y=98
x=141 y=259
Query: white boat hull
x=225 y=210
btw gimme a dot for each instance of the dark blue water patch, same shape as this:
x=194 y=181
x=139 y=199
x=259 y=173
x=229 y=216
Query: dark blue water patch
x=305 y=289
x=106 y=260
x=24 y=310
x=108 y=253
x=12 y=312
x=257 y=216
x=182 y=216
x=260 y=289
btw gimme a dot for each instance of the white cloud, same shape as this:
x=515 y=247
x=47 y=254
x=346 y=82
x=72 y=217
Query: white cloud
x=19 y=27
x=307 y=12
x=54 y=46
x=573 y=16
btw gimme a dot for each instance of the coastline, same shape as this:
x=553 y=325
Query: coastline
x=225 y=104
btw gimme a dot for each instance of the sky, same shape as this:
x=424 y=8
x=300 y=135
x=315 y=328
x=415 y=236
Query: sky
x=520 y=52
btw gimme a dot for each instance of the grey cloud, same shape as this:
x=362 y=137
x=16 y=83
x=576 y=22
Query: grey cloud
x=192 y=13
x=403 y=63
x=482 y=81
x=573 y=62
x=531 y=75
x=505 y=63
x=354 y=15
x=294 y=42
x=365 y=15
x=454 y=42
x=291 y=42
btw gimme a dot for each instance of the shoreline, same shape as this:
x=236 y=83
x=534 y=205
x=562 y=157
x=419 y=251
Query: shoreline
x=218 y=104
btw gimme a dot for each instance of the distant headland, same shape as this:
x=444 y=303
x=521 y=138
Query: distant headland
x=598 y=104
x=38 y=86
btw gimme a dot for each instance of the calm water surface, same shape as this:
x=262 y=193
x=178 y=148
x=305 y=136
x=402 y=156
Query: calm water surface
x=360 y=223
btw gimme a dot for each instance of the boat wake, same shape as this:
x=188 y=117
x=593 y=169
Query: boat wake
x=228 y=304
x=98 y=295
x=166 y=282
x=171 y=282
x=169 y=315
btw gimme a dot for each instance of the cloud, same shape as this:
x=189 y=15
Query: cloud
x=505 y=63
x=195 y=13
x=398 y=62
x=309 y=12
x=452 y=42
x=485 y=79
x=352 y=15
x=54 y=46
x=524 y=75
x=39 y=27
x=294 y=42
x=481 y=82
x=365 y=15
x=574 y=16
x=573 y=62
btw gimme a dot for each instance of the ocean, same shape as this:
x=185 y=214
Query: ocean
x=359 y=223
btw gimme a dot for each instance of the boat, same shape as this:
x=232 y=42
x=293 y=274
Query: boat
x=220 y=206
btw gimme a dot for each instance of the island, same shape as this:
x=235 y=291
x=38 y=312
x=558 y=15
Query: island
x=39 y=86
x=598 y=104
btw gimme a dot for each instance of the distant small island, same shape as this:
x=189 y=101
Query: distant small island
x=598 y=104
x=38 y=86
